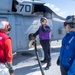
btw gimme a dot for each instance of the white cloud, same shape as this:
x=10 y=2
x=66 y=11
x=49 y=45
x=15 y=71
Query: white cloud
x=53 y=7
x=62 y=13
x=74 y=13
x=56 y=9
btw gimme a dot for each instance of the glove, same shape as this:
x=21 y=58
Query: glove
x=31 y=36
x=10 y=67
x=58 y=62
x=46 y=28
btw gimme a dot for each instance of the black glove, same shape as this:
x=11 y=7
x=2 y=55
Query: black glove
x=31 y=36
x=58 y=62
x=10 y=67
x=46 y=28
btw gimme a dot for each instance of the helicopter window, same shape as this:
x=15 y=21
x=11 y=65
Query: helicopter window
x=39 y=8
x=48 y=13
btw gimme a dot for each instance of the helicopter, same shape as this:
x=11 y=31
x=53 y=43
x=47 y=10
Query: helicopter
x=24 y=17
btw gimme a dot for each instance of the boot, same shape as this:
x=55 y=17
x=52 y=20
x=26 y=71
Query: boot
x=48 y=65
x=44 y=61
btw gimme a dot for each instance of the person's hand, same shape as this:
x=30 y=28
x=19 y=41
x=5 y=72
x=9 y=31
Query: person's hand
x=58 y=62
x=10 y=67
x=12 y=74
x=46 y=29
x=32 y=35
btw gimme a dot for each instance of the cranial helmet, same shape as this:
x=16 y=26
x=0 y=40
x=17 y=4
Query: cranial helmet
x=43 y=20
x=5 y=26
x=70 y=20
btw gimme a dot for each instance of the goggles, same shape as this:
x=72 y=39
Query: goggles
x=43 y=19
x=43 y=22
x=71 y=23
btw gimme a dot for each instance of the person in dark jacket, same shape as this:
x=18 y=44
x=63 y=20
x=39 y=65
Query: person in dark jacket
x=66 y=58
x=44 y=36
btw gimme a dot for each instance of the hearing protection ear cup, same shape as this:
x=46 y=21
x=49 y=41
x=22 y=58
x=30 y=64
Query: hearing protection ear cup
x=72 y=25
x=9 y=27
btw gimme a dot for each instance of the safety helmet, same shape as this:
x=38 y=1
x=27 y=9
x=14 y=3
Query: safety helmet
x=43 y=21
x=70 y=20
x=5 y=26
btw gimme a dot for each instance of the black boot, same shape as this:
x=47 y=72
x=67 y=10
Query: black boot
x=48 y=65
x=43 y=61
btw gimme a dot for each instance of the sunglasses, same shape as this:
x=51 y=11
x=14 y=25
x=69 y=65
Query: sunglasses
x=65 y=24
x=42 y=19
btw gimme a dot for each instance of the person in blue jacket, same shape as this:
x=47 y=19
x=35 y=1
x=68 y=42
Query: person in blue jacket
x=66 y=58
x=44 y=33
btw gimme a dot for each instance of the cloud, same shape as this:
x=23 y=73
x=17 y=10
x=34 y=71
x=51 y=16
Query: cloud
x=61 y=13
x=57 y=10
x=53 y=7
x=74 y=13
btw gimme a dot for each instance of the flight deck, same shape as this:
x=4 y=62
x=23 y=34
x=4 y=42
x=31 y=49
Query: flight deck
x=26 y=63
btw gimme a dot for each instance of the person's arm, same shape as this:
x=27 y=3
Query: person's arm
x=8 y=50
x=46 y=29
x=71 y=70
x=36 y=33
x=9 y=56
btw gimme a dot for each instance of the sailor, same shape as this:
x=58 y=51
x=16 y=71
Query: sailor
x=44 y=36
x=6 y=56
x=66 y=58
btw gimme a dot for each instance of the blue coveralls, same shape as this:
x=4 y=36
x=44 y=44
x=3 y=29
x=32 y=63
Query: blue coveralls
x=67 y=54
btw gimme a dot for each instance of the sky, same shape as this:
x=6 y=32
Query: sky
x=62 y=8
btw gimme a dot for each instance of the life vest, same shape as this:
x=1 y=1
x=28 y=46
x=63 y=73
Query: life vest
x=3 y=38
x=44 y=35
